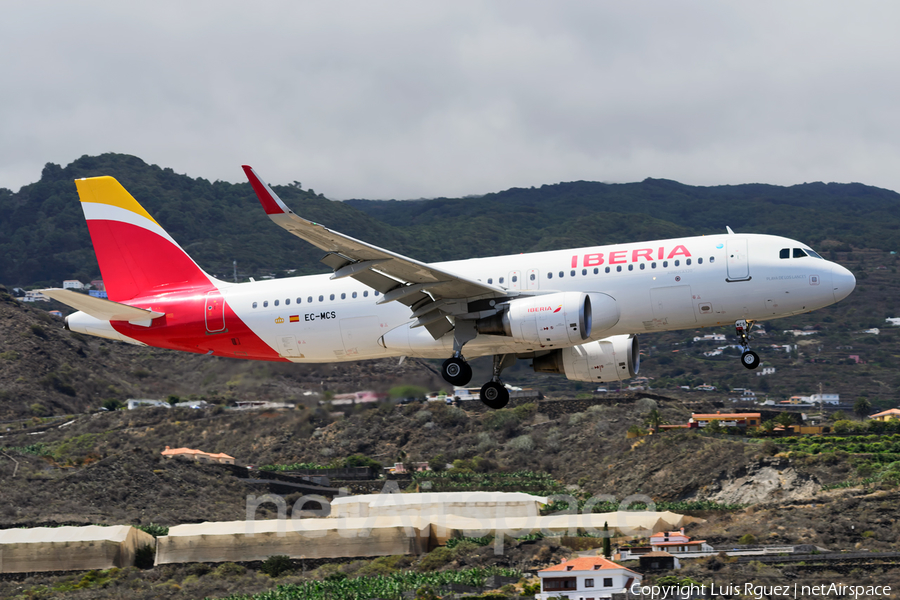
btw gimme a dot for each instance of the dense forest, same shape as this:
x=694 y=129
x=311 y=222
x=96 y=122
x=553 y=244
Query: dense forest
x=43 y=237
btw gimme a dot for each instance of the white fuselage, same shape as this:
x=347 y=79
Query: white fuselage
x=658 y=286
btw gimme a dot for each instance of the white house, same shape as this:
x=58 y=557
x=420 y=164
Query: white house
x=35 y=296
x=826 y=398
x=711 y=337
x=72 y=284
x=586 y=578
x=676 y=543
x=765 y=371
x=134 y=403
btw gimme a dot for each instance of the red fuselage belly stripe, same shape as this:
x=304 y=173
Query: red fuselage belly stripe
x=185 y=327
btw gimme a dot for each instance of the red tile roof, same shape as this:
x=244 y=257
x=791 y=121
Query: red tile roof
x=587 y=563
x=691 y=543
x=190 y=451
x=890 y=411
x=728 y=416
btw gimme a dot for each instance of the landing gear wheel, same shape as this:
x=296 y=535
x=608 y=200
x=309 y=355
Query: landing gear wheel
x=456 y=371
x=494 y=395
x=750 y=359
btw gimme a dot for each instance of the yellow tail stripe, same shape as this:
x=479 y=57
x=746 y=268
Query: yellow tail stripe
x=106 y=190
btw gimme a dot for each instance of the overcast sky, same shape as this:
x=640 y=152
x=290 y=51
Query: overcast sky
x=420 y=99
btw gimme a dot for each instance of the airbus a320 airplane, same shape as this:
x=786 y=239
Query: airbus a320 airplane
x=575 y=312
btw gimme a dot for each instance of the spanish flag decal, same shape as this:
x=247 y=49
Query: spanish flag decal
x=295 y=318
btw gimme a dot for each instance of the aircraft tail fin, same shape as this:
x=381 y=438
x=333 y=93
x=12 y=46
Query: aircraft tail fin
x=136 y=256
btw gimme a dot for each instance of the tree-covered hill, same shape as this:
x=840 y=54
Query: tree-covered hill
x=43 y=237
x=831 y=214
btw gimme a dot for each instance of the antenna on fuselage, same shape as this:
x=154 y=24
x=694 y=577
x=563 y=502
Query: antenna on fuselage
x=728 y=229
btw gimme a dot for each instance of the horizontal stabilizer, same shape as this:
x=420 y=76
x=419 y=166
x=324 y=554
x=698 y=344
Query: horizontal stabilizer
x=105 y=310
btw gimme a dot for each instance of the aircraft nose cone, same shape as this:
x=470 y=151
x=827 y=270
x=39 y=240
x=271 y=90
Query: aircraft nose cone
x=843 y=281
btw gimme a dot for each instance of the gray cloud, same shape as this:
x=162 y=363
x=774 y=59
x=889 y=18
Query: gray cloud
x=408 y=99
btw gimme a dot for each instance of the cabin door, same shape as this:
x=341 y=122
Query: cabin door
x=215 y=312
x=738 y=261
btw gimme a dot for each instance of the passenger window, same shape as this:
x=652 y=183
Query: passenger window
x=287 y=301
x=643 y=265
x=299 y=300
x=549 y=275
x=254 y=305
x=606 y=270
x=376 y=292
x=365 y=293
x=276 y=303
x=596 y=271
x=631 y=267
x=533 y=276
x=584 y=271
x=515 y=278
x=331 y=297
x=785 y=253
x=799 y=253
x=309 y=299
x=354 y=294
x=500 y=280
x=665 y=264
x=265 y=303
x=343 y=296
x=321 y=298
x=653 y=265
x=619 y=269
x=572 y=273
x=677 y=262
x=700 y=261
x=712 y=259
x=561 y=274
x=490 y=280
x=688 y=262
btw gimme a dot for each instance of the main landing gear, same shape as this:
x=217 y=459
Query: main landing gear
x=494 y=394
x=749 y=358
x=457 y=371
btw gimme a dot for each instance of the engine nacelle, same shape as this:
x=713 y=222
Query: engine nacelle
x=560 y=319
x=611 y=359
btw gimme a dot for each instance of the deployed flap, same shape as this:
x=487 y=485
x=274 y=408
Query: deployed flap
x=406 y=271
x=105 y=310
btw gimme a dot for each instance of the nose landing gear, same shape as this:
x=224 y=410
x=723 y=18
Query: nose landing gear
x=749 y=358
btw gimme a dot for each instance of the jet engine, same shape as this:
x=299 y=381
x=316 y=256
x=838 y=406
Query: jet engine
x=611 y=359
x=560 y=319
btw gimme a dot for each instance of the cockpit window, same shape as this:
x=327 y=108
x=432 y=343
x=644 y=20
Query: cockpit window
x=785 y=253
x=799 y=253
x=813 y=253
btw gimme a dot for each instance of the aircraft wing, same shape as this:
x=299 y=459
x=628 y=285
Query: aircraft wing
x=105 y=310
x=423 y=288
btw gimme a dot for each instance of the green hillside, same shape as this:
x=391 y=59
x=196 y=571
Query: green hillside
x=833 y=215
x=43 y=237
